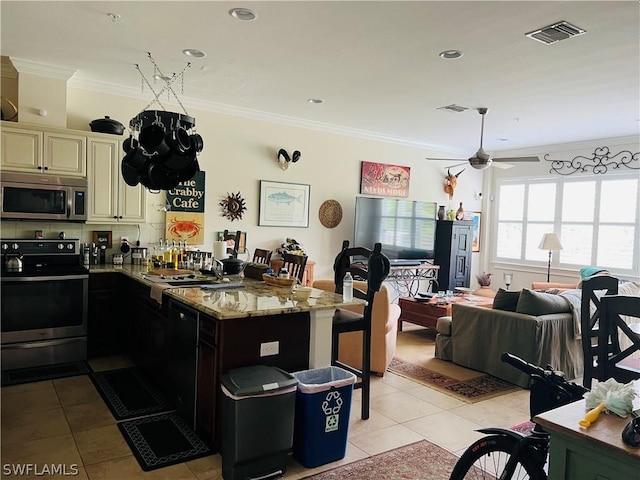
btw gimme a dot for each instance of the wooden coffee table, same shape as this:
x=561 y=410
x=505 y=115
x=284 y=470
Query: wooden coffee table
x=426 y=314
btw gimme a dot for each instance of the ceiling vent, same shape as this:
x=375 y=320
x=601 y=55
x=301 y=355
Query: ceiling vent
x=453 y=108
x=556 y=32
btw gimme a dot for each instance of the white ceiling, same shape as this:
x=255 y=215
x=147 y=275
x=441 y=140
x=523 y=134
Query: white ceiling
x=375 y=64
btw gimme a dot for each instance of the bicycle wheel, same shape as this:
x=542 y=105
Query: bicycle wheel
x=485 y=459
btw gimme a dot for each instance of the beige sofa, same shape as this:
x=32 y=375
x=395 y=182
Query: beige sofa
x=384 y=329
x=541 y=334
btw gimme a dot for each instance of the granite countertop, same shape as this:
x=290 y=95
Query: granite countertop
x=254 y=298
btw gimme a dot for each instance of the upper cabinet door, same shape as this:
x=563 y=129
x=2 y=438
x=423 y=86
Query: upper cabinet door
x=65 y=154
x=21 y=150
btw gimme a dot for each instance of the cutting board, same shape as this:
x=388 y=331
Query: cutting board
x=168 y=271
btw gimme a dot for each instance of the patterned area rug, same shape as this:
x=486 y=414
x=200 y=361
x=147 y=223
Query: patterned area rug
x=419 y=461
x=470 y=391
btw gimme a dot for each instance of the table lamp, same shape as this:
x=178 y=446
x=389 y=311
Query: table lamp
x=508 y=278
x=550 y=241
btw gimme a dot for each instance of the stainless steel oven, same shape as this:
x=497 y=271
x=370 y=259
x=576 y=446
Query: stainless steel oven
x=44 y=304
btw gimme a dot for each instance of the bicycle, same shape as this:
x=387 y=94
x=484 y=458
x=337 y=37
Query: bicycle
x=506 y=454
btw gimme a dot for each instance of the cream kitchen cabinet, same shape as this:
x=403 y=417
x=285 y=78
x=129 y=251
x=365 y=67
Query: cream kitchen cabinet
x=110 y=199
x=34 y=149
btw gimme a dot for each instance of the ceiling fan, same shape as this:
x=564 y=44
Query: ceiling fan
x=481 y=159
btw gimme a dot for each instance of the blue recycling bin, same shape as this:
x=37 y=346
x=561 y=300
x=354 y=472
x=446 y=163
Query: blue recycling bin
x=321 y=424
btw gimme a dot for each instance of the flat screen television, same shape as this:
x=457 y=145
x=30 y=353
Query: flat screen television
x=405 y=228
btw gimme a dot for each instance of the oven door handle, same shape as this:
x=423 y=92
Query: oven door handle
x=45 y=279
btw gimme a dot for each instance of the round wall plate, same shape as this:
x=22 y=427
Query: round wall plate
x=330 y=213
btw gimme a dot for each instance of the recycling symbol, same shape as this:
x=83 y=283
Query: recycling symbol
x=331 y=407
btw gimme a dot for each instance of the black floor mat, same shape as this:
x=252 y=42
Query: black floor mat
x=162 y=440
x=129 y=393
x=37 y=374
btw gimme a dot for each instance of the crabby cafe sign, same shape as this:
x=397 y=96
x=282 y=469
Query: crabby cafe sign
x=185 y=218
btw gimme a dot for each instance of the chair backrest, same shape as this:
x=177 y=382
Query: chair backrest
x=612 y=361
x=592 y=291
x=226 y=236
x=374 y=272
x=262 y=256
x=294 y=264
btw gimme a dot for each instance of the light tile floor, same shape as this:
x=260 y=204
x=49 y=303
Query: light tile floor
x=65 y=422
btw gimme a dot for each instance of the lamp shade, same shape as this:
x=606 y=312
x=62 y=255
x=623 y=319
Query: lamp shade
x=550 y=241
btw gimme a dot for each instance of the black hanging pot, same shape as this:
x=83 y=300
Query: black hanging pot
x=129 y=144
x=152 y=140
x=107 y=125
x=161 y=177
x=188 y=173
x=130 y=175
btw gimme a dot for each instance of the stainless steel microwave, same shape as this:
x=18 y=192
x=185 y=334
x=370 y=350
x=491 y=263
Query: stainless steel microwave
x=28 y=196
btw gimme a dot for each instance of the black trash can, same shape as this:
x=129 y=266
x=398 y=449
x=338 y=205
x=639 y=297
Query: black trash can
x=323 y=404
x=258 y=405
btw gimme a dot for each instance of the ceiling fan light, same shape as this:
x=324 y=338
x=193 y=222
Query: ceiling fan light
x=480 y=163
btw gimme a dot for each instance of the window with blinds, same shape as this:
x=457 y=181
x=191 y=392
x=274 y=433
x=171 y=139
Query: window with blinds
x=596 y=218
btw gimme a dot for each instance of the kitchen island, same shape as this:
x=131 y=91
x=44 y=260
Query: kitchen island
x=254 y=323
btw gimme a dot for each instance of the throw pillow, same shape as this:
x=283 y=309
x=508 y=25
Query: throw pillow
x=629 y=288
x=506 y=300
x=540 y=303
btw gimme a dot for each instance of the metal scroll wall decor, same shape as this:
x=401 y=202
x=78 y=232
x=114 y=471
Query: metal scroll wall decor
x=163 y=146
x=600 y=162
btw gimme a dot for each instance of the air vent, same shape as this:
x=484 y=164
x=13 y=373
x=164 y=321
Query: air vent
x=556 y=32
x=453 y=108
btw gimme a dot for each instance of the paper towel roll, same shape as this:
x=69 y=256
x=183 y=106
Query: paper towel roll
x=220 y=250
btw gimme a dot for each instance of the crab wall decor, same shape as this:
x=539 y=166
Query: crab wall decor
x=233 y=206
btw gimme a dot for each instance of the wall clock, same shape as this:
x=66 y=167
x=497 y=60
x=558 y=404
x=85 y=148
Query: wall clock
x=233 y=206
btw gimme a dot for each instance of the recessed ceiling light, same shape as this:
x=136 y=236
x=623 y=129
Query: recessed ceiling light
x=450 y=54
x=242 y=14
x=315 y=100
x=115 y=18
x=193 y=52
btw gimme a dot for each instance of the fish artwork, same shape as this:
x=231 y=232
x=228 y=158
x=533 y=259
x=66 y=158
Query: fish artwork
x=284 y=197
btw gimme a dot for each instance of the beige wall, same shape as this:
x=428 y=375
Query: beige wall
x=239 y=152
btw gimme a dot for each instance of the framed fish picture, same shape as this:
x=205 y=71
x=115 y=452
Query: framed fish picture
x=284 y=204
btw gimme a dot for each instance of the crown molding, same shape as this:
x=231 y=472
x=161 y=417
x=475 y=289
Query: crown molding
x=7 y=69
x=42 y=69
x=114 y=89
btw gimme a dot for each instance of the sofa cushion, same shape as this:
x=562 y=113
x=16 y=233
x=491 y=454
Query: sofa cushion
x=539 y=303
x=629 y=288
x=506 y=300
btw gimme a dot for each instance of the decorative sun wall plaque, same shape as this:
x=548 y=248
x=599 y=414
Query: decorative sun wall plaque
x=233 y=206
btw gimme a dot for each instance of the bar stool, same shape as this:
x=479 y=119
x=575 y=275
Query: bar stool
x=345 y=321
x=590 y=325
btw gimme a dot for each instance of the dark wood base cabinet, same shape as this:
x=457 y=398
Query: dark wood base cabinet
x=106 y=331
x=234 y=343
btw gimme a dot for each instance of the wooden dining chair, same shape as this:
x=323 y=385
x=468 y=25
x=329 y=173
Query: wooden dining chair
x=590 y=311
x=295 y=265
x=613 y=362
x=226 y=236
x=262 y=256
x=345 y=321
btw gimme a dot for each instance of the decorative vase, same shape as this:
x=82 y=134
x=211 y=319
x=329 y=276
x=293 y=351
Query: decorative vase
x=460 y=213
x=485 y=292
x=441 y=212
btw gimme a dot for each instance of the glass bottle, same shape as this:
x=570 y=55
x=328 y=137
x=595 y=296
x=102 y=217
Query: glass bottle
x=166 y=253
x=347 y=288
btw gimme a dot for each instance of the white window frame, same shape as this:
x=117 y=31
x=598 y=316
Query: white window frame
x=633 y=272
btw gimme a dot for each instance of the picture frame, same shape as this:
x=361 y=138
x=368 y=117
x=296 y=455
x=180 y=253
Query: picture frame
x=103 y=238
x=476 y=218
x=284 y=204
x=385 y=180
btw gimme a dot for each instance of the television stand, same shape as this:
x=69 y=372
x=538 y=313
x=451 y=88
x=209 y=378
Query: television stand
x=407 y=278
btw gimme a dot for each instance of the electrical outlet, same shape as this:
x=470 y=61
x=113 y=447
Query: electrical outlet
x=124 y=239
x=269 y=348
